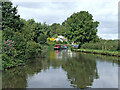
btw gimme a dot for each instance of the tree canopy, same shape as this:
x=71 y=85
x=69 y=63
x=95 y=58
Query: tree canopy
x=81 y=27
x=17 y=36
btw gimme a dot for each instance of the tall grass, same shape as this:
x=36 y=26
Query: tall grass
x=109 y=45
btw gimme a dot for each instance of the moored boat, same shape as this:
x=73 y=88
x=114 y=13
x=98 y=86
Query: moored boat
x=75 y=46
x=64 y=46
x=57 y=47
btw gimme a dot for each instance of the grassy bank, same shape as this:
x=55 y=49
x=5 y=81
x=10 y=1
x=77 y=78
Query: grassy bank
x=102 y=52
x=107 y=45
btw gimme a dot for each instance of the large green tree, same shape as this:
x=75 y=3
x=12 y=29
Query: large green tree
x=56 y=29
x=81 y=27
x=10 y=20
x=17 y=35
x=42 y=31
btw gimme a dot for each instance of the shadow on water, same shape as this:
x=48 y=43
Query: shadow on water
x=65 y=69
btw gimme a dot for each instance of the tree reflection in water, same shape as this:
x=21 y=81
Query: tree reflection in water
x=17 y=77
x=81 y=69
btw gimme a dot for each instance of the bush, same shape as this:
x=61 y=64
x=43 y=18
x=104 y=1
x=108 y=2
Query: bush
x=8 y=48
x=8 y=55
x=111 y=45
x=42 y=39
x=16 y=52
x=32 y=48
x=20 y=33
x=59 y=42
x=64 y=42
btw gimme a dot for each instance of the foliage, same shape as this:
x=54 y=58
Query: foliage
x=81 y=27
x=8 y=45
x=17 y=37
x=42 y=39
x=28 y=29
x=32 y=48
x=64 y=42
x=102 y=52
x=56 y=29
x=10 y=18
x=42 y=32
x=49 y=42
x=59 y=42
x=110 y=45
x=9 y=53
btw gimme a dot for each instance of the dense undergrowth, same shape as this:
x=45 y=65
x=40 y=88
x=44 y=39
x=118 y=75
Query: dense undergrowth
x=109 y=45
x=19 y=37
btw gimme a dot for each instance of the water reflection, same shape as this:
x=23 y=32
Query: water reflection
x=64 y=69
x=81 y=71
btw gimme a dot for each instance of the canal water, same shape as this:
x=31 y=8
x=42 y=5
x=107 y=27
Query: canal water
x=64 y=69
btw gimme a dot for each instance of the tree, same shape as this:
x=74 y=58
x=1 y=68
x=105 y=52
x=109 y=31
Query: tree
x=42 y=39
x=28 y=29
x=21 y=33
x=53 y=29
x=81 y=27
x=56 y=29
x=10 y=18
x=42 y=31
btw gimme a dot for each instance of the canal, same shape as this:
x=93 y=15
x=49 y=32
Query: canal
x=64 y=69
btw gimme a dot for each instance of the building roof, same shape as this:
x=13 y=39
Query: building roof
x=61 y=36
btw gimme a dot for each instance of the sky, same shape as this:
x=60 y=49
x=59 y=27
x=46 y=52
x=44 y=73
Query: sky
x=57 y=11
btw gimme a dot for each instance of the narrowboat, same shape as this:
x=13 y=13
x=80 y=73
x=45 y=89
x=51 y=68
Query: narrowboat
x=75 y=46
x=64 y=46
x=57 y=47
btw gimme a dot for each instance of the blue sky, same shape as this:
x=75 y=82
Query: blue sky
x=56 y=11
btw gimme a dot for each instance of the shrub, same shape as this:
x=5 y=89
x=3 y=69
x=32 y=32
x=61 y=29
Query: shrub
x=9 y=53
x=59 y=42
x=64 y=42
x=111 y=45
x=32 y=48
x=42 y=39
x=8 y=48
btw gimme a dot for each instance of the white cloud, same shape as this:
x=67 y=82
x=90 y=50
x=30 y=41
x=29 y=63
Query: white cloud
x=108 y=36
x=56 y=11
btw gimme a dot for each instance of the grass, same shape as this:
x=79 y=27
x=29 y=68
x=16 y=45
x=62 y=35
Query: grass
x=108 y=45
x=102 y=52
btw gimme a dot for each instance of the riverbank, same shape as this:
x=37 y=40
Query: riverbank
x=42 y=54
x=102 y=52
x=81 y=66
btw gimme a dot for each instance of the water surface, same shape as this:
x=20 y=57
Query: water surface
x=64 y=69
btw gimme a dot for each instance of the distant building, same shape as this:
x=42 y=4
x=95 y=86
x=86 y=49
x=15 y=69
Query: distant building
x=61 y=38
